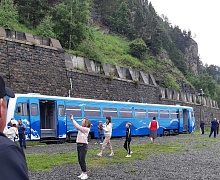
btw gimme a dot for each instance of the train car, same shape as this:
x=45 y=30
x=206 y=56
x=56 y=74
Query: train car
x=47 y=117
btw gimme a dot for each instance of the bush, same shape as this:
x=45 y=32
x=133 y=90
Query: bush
x=138 y=48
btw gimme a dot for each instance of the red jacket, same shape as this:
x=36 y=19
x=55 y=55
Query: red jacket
x=153 y=125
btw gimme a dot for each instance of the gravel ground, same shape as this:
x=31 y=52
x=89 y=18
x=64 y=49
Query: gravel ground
x=194 y=163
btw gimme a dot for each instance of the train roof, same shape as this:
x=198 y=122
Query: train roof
x=37 y=95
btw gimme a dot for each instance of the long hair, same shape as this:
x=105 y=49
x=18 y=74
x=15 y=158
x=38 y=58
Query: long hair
x=88 y=123
x=109 y=119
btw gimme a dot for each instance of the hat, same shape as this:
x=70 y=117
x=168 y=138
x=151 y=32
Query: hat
x=5 y=90
x=14 y=122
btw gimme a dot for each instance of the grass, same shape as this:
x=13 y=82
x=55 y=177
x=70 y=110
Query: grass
x=37 y=162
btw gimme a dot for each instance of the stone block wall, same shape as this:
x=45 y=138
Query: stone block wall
x=98 y=86
x=33 y=68
x=30 y=66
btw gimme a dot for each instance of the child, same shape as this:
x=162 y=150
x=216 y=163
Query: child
x=128 y=139
x=107 y=127
x=82 y=144
x=100 y=133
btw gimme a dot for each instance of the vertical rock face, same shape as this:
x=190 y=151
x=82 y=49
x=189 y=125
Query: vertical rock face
x=191 y=56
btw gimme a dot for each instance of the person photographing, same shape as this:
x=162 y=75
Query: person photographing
x=82 y=144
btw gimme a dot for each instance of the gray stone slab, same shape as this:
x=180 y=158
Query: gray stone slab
x=162 y=92
x=29 y=38
x=144 y=77
x=2 y=32
x=68 y=61
x=152 y=80
x=109 y=69
x=134 y=74
x=55 y=43
x=121 y=72
x=183 y=96
x=90 y=66
x=168 y=93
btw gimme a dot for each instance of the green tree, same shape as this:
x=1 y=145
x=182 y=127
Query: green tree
x=71 y=20
x=138 y=48
x=121 y=19
x=8 y=14
x=32 y=12
x=45 y=28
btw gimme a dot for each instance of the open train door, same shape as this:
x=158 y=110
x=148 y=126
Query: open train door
x=185 y=120
x=33 y=127
x=61 y=119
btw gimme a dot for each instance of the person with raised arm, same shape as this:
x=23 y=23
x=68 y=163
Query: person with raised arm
x=82 y=144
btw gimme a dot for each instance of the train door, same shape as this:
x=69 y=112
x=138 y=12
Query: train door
x=34 y=114
x=185 y=120
x=61 y=118
x=48 y=120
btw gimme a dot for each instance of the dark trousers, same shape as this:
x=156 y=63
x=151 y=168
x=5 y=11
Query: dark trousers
x=202 y=129
x=22 y=140
x=211 y=131
x=127 y=146
x=82 y=149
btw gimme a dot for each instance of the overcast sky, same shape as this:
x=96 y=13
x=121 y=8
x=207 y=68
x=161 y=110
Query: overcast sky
x=199 y=16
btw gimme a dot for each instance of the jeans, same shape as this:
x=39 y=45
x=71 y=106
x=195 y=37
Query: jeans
x=82 y=149
x=22 y=140
x=100 y=138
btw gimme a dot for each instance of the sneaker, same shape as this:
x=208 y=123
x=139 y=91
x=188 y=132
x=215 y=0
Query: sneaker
x=99 y=154
x=84 y=176
x=96 y=143
x=80 y=175
x=101 y=143
x=112 y=154
x=128 y=155
x=131 y=152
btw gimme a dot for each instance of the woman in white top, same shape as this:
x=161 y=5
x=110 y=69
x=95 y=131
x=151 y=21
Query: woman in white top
x=12 y=132
x=82 y=144
x=107 y=127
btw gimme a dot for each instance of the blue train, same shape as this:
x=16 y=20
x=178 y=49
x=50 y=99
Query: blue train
x=47 y=117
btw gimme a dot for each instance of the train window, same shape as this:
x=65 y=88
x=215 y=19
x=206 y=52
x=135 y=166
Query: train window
x=125 y=113
x=152 y=113
x=140 y=113
x=92 y=112
x=110 y=112
x=174 y=114
x=34 y=109
x=22 y=109
x=164 y=114
x=74 y=110
x=61 y=110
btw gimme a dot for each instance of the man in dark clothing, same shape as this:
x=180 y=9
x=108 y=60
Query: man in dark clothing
x=202 y=125
x=21 y=134
x=213 y=127
x=12 y=158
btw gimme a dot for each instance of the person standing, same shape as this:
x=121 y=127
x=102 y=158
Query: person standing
x=213 y=127
x=21 y=134
x=202 y=125
x=82 y=144
x=153 y=126
x=11 y=132
x=128 y=140
x=100 y=133
x=12 y=157
x=107 y=127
